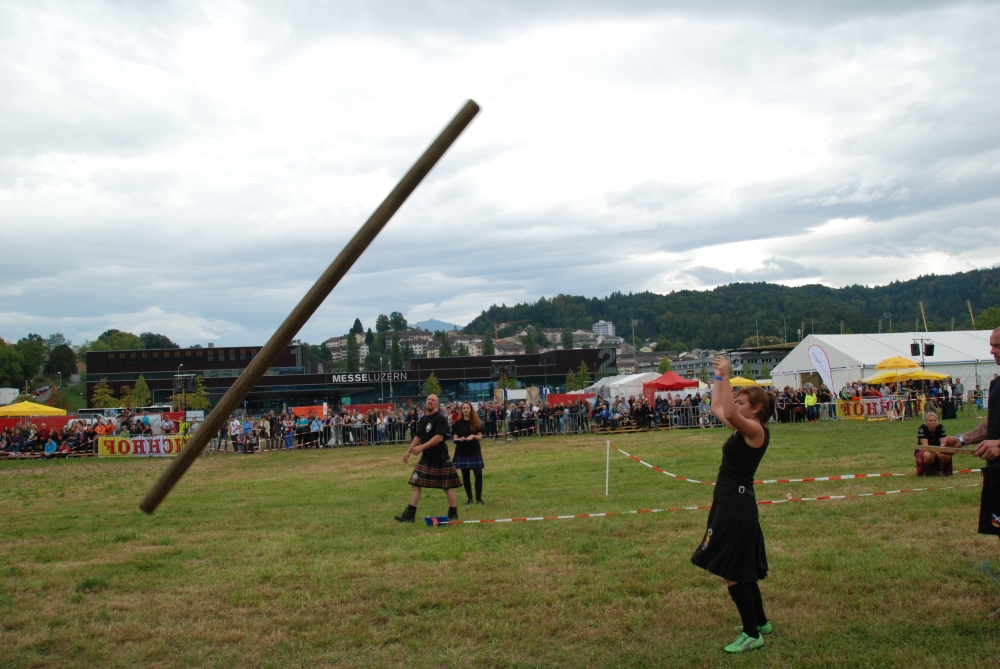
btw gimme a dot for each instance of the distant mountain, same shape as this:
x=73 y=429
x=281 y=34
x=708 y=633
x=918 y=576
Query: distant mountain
x=728 y=315
x=434 y=325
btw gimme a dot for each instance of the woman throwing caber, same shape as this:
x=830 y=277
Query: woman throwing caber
x=733 y=545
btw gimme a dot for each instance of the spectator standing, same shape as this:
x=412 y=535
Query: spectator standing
x=468 y=435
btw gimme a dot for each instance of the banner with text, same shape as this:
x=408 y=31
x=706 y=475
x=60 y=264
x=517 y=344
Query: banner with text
x=878 y=407
x=157 y=446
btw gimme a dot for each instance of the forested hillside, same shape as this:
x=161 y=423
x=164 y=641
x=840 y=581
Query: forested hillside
x=724 y=317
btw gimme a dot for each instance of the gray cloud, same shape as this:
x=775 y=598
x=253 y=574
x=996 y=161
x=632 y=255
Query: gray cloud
x=163 y=167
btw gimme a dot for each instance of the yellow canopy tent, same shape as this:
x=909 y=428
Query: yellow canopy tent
x=739 y=382
x=888 y=376
x=30 y=409
x=923 y=375
x=897 y=362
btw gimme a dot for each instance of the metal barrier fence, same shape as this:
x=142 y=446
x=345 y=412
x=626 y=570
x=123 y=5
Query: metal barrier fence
x=674 y=418
x=894 y=407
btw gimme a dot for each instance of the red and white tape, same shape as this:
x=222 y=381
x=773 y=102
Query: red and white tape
x=838 y=477
x=608 y=514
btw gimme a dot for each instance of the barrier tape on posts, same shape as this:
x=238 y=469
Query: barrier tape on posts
x=437 y=521
x=810 y=479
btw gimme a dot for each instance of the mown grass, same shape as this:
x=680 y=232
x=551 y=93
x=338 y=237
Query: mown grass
x=292 y=559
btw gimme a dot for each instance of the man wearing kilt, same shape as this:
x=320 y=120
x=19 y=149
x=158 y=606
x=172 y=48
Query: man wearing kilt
x=987 y=435
x=434 y=470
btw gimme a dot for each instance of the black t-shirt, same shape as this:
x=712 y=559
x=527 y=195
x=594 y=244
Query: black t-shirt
x=993 y=418
x=740 y=461
x=933 y=438
x=427 y=428
x=462 y=428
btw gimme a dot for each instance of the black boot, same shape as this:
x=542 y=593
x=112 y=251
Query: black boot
x=452 y=513
x=408 y=515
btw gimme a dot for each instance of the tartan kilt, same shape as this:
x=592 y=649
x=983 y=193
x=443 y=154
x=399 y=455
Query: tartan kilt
x=426 y=475
x=468 y=461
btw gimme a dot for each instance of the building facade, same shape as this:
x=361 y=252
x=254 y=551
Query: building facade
x=298 y=378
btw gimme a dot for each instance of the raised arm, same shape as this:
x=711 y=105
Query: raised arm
x=724 y=407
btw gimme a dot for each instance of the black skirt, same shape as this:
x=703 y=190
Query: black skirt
x=989 y=502
x=733 y=544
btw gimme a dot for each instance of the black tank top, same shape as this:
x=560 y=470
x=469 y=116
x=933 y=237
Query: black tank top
x=740 y=461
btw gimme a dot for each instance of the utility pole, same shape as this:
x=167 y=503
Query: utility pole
x=923 y=315
x=888 y=316
x=952 y=323
x=880 y=326
x=971 y=315
x=841 y=327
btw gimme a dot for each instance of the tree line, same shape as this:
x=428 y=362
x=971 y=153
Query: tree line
x=734 y=315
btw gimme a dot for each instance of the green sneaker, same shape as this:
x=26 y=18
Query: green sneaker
x=763 y=629
x=743 y=643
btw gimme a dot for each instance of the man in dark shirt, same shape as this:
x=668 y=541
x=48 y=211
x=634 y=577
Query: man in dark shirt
x=434 y=470
x=987 y=435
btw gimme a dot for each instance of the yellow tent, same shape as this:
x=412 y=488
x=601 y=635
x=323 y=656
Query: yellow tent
x=30 y=409
x=888 y=376
x=923 y=375
x=739 y=382
x=897 y=362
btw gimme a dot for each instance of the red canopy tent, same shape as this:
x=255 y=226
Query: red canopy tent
x=669 y=381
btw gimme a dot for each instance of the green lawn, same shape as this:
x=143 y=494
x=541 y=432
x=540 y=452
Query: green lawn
x=292 y=559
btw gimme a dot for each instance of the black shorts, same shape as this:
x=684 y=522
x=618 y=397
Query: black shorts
x=989 y=502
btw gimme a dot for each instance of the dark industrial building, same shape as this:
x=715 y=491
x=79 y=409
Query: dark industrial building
x=299 y=378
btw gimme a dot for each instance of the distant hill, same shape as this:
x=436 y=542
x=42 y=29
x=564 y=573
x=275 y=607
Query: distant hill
x=435 y=325
x=724 y=317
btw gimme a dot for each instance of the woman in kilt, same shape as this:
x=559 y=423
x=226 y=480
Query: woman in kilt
x=467 y=433
x=434 y=470
x=733 y=545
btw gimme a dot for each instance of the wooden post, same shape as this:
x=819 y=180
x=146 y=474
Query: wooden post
x=946 y=449
x=308 y=305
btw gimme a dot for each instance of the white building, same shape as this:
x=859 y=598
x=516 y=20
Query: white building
x=961 y=354
x=604 y=329
x=338 y=347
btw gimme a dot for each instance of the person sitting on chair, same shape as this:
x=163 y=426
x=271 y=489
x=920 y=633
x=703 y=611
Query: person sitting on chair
x=930 y=434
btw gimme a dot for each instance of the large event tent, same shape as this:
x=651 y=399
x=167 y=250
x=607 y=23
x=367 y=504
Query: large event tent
x=669 y=381
x=961 y=354
x=625 y=385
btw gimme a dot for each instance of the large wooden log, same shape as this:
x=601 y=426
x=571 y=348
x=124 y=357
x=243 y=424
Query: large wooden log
x=306 y=307
x=946 y=449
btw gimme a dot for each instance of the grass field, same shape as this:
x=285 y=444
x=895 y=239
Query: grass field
x=292 y=559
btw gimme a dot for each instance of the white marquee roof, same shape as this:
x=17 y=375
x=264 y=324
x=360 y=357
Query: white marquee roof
x=963 y=353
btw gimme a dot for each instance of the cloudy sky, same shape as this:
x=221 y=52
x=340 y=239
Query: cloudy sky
x=190 y=168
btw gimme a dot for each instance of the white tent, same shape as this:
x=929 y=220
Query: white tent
x=625 y=386
x=963 y=354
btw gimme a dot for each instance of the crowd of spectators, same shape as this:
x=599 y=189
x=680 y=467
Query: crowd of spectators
x=285 y=429
x=79 y=436
x=30 y=440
